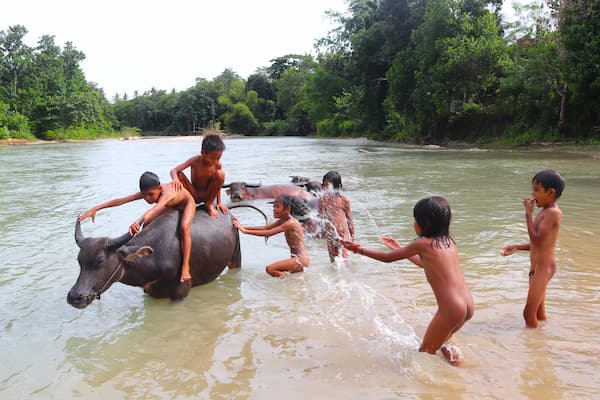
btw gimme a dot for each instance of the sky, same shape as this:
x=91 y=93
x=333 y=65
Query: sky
x=140 y=44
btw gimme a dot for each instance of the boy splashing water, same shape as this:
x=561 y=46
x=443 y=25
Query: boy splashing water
x=434 y=251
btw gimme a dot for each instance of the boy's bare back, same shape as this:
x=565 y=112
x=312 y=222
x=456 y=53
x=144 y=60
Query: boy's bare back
x=336 y=208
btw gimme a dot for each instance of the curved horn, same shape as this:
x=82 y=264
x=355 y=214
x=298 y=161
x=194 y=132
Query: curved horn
x=78 y=234
x=253 y=185
x=226 y=186
x=117 y=242
x=251 y=206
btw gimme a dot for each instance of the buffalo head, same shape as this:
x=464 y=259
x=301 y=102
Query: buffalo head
x=238 y=191
x=100 y=266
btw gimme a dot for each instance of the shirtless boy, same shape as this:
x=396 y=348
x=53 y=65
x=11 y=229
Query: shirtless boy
x=294 y=235
x=334 y=207
x=165 y=196
x=434 y=251
x=547 y=187
x=207 y=176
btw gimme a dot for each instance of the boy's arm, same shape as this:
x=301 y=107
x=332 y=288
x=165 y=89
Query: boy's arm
x=393 y=244
x=407 y=252
x=268 y=230
x=111 y=203
x=549 y=221
x=512 y=248
x=175 y=171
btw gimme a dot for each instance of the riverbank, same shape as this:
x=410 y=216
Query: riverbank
x=564 y=147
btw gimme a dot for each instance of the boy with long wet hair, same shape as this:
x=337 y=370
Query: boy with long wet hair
x=206 y=175
x=163 y=197
x=434 y=251
x=547 y=187
x=335 y=210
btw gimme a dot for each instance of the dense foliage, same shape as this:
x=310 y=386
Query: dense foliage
x=426 y=71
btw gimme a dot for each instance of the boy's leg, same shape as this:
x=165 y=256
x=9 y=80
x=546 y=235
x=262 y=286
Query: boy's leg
x=279 y=268
x=186 y=239
x=439 y=330
x=209 y=195
x=538 y=283
x=185 y=182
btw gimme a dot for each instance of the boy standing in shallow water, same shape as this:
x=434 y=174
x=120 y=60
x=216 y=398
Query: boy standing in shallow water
x=434 y=251
x=207 y=176
x=165 y=196
x=547 y=187
x=294 y=235
x=334 y=208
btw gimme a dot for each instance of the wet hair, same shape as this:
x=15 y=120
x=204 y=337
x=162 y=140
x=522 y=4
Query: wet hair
x=550 y=179
x=212 y=143
x=335 y=178
x=299 y=207
x=286 y=200
x=148 y=180
x=433 y=216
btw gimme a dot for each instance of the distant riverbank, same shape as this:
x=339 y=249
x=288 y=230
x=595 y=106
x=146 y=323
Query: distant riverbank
x=566 y=147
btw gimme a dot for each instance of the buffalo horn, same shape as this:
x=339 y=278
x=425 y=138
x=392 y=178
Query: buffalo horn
x=253 y=185
x=226 y=186
x=78 y=234
x=117 y=242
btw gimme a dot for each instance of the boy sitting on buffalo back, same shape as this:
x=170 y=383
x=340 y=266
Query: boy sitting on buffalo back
x=207 y=176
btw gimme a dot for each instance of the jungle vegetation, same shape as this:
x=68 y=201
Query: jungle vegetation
x=421 y=71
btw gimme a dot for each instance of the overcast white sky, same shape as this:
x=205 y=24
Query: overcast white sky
x=139 y=44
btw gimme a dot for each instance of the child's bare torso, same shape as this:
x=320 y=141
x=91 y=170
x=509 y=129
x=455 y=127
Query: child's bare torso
x=294 y=236
x=541 y=253
x=202 y=174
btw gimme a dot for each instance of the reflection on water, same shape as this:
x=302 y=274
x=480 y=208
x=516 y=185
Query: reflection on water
x=335 y=331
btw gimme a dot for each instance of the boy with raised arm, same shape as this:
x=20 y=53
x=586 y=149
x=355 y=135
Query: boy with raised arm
x=294 y=235
x=435 y=251
x=206 y=175
x=547 y=187
x=163 y=196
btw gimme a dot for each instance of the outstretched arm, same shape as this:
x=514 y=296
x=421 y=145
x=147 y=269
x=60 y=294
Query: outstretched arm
x=406 y=252
x=111 y=203
x=267 y=230
x=509 y=249
x=393 y=244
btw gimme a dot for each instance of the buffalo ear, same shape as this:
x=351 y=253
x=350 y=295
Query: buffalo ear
x=136 y=254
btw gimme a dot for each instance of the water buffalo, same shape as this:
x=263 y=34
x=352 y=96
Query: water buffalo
x=239 y=191
x=152 y=258
x=312 y=187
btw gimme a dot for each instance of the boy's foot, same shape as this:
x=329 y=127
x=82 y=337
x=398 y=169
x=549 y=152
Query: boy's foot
x=212 y=211
x=452 y=353
x=185 y=276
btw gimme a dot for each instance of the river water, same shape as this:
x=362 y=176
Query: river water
x=333 y=332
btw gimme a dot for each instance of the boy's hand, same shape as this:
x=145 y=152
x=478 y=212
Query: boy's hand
x=238 y=224
x=134 y=228
x=223 y=208
x=352 y=246
x=177 y=186
x=90 y=213
x=390 y=242
x=529 y=205
x=508 y=250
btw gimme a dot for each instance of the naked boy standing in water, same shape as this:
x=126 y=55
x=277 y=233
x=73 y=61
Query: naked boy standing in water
x=547 y=187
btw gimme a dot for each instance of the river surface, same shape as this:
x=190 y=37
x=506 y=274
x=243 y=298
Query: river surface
x=336 y=331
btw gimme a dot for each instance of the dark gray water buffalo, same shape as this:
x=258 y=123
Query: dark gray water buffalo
x=240 y=191
x=152 y=258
